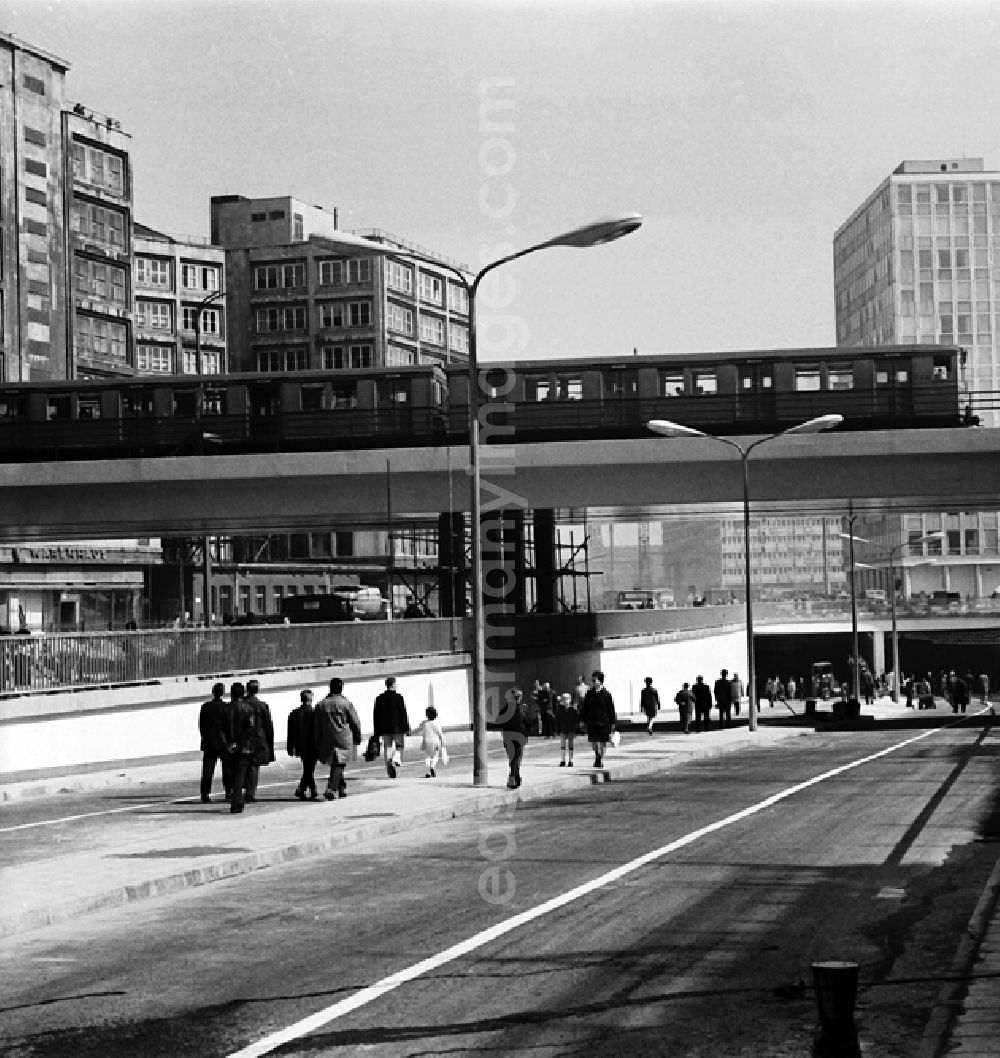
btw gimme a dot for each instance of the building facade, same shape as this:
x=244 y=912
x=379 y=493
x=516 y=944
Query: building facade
x=180 y=305
x=297 y=304
x=919 y=260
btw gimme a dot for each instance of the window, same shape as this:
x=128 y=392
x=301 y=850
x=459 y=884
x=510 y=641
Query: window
x=340 y=273
x=34 y=84
x=210 y=278
x=346 y=358
x=400 y=277
x=396 y=356
x=278 y=360
x=569 y=387
x=99 y=223
x=95 y=279
x=400 y=319
x=153 y=315
x=537 y=388
x=154 y=359
x=807 y=379
x=333 y=314
x=276 y=214
x=293 y=275
x=104 y=339
x=705 y=383
x=209 y=320
x=360 y=313
x=189 y=277
x=840 y=376
x=298 y=228
x=458 y=298
x=329 y=273
x=210 y=363
x=281 y=318
x=273 y=277
x=152 y=272
x=431 y=330
x=431 y=288
x=257 y=218
x=671 y=383
x=458 y=338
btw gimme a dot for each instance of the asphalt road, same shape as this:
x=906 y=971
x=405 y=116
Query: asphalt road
x=591 y=953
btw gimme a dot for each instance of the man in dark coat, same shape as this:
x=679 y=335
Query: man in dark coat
x=337 y=731
x=649 y=703
x=514 y=724
x=598 y=714
x=253 y=742
x=213 y=723
x=547 y=709
x=301 y=743
x=702 y=704
x=724 y=698
x=391 y=723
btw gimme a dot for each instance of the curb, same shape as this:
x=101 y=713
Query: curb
x=232 y=867
x=949 y=1000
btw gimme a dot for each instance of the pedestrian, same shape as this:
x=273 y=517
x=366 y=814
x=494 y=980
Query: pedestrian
x=792 y=687
x=338 y=730
x=685 y=705
x=390 y=724
x=213 y=724
x=567 y=722
x=514 y=724
x=431 y=742
x=649 y=702
x=580 y=691
x=960 y=694
x=702 y=704
x=599 y=715
x=867 y=687
x=984 y=689
x=533 y=710
x=908 y=687
x=301 y=743
x=724 y=699
x=253 y=742
x=547 y=699
x=736 y=692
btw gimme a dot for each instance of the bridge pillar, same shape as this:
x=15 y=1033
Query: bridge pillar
x=452 y=564
x=546 y=577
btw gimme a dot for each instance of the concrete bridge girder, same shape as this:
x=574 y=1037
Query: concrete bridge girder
x=920 y=469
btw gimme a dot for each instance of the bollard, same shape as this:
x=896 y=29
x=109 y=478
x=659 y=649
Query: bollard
x=836 y=986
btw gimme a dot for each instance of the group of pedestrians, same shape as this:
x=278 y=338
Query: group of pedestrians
x=238 y=734
x=695 y=701
x=587 y=708
x=956 y=688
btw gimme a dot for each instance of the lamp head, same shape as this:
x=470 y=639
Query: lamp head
x=598 y=232
x=666 y=428
x=817 y=425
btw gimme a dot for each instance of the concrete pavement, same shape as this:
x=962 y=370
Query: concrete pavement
x=52 y=870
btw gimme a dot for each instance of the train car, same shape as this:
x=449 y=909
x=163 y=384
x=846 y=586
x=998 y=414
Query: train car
x=193 y=414
x=884 y=387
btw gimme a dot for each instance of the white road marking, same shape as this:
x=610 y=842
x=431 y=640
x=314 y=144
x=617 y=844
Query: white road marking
x=457 y=951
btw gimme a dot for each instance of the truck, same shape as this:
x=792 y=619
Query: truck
x=822 y=681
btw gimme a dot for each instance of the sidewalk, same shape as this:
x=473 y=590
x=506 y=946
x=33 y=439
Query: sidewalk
x=158 y=846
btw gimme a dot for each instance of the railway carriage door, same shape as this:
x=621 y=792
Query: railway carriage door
x=755 y=399
x=894 y=387
x=619 y=391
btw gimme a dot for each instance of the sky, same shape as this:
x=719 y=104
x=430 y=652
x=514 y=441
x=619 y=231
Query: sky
x=744 y=133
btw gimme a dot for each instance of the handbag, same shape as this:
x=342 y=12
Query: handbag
x=444 y=755
x=373 y=748
x=616 y=738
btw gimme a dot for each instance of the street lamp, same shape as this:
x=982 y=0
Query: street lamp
x=850 y=537
x=206 y=553
x=594 y=234
x=899 y=548
x=666 y=428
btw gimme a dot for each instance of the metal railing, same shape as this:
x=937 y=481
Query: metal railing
x=59 y=661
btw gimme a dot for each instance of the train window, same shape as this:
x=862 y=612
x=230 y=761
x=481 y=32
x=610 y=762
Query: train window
x=393 y=391
x=569 y=387
x=343 y=397
x=881 y=377
x=939 y=372
x=212 y=402
x=536 y=388
x=671 y=383
x=184 y=403
x=902 y=374
x=89 y=408
x=312 y=398
x=12 y=406
x=137 y=402
x=705 y=383
x=58 y=408
x=840 y=376
x=807 y=379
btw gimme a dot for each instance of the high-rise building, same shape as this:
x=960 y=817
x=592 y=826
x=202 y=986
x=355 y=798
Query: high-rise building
x=919 y=261
x=65 y=220
x=296 y=304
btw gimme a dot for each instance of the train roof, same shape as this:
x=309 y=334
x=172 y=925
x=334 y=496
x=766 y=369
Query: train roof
x=836 y=352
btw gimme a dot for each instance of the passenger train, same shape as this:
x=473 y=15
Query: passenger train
x=884 y=387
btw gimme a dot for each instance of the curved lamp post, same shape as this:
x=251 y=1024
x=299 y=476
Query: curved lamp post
x=594 y=234
x=666 y=428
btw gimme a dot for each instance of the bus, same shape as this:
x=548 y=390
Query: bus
x=645 y=599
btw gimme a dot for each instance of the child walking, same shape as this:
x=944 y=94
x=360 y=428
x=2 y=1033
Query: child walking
x=432 y=742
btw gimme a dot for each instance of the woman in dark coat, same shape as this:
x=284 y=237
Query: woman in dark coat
x=598 y=714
